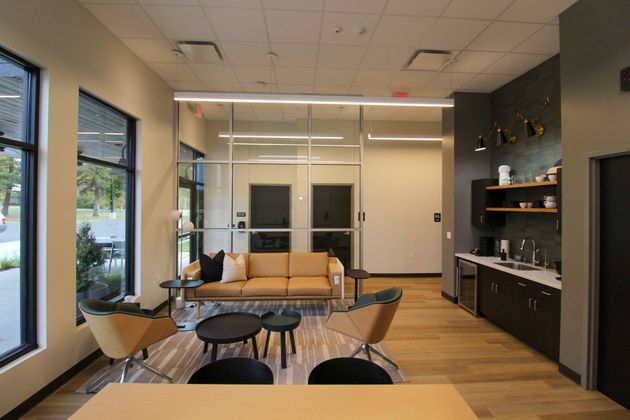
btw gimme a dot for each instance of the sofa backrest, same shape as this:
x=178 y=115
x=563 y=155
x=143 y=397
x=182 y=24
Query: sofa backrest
x=269 y=264
x=308 y=264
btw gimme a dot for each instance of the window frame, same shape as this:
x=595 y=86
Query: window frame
x=28 y=232
x=130 y=198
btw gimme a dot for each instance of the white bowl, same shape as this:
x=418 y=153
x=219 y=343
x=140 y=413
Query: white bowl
x=530 y=204
x=522 y=205
x=550 y=204
x=552 y=177
x=540 y=178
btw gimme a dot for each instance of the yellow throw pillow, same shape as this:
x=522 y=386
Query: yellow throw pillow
x=233 y=269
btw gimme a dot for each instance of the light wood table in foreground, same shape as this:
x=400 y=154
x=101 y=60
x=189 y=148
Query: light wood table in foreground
x=160 y=401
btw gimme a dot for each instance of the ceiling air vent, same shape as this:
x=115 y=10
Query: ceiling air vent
x=200 y=51
x=428 y=60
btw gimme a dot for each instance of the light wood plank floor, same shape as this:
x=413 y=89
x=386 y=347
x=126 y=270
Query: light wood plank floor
x=437 y=342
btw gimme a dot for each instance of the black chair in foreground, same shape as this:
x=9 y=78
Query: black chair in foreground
x=234 y=370
x=348 y=371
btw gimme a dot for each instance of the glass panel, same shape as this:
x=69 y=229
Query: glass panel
x=191 y=244
x=335 y=196
x=270 y=132
x=101 y=232
x=12 y=79
x=295 y=241
x=335 y=133
x=11 y=223
x=204 y=195
x=205 y=127
x=103 y=132
x=270 y=196
x=343 y=245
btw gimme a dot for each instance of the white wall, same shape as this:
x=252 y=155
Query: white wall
x=75 y=52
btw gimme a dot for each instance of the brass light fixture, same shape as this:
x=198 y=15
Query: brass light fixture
x=532 y=127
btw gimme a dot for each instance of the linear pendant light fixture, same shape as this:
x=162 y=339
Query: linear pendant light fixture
x=224 y=135
x=264 y=98
x=403 y=138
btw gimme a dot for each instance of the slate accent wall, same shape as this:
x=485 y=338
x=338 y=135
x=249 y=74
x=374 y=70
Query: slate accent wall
x=529 y=156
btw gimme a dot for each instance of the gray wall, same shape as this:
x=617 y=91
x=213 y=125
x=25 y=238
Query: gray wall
x=595 y=45
x=529 y=156
x=461 y=164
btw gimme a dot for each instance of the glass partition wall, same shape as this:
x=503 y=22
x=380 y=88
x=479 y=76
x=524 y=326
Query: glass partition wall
x=270 y=178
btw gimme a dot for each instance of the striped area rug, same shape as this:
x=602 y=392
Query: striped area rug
x=180 y=355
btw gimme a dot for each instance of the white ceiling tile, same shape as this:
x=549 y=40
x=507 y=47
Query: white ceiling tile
x=539 y=11
x=149 y=50
x=356 y=29
x=253 y=74
x=475 y=61
x=169 y=2
x=545 y=41
x=186 y=85
x=109 y=1
x=299 y=55
x=453 y=34
x=334 y=77
x=416 y=7
x=182 y=23
x=373 y=78
x=401 y=31
x=214 y=73
x=412 y=79
x=477 y=9
x=290 y=26
x=223 y=86
x=369 y=91
x=239 y=4
x=430 y=92
x=283 y=88
x=352 y=6
x=516 y=64
x=250 y=53
x=340 y=56
x=316 y=5
x=503 y=36
x=386 y=57
x=486 y=82
x=331 y=90
x=255 y=88
x=238 y=24
x=295 y=75
x=125 y=21
x=173 y=71
x=448 y=80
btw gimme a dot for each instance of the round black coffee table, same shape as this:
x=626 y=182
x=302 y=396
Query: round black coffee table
x=229 y=328
x=286 y=320
x=358 y=275
x=180 y=284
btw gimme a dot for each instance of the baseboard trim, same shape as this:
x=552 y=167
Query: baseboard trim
x=57 y=383
x=570 y=373
x=449 y=297
x=405 y=274
x=160 y=306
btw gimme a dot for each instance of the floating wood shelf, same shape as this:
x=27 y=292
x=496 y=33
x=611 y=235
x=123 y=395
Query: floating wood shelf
x=520 y=210
x=525 y=185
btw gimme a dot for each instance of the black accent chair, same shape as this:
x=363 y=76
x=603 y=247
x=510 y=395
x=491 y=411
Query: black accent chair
x=233 y=371
x=348 y=371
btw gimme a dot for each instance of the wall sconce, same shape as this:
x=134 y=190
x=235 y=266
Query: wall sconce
x=535 y=127
x=481 y=140
x=481 y=144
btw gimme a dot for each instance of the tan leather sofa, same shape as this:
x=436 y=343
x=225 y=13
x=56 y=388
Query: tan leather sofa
x=274 y=276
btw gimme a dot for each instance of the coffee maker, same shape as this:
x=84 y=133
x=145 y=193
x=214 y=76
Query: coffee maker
x=486 y=246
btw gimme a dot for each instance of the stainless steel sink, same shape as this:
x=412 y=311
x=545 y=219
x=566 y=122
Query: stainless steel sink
x=517 y=266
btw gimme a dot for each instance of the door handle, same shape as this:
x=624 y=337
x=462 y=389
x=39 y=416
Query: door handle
x=481 y=219
x=521 y=284
x=545 y=293
x=529 y=303
x=535 y=305
x=347 y=233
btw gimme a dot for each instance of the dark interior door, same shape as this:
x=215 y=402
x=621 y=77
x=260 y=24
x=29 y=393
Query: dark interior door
x=270 y=209
x=613 y=370
x=332 y=208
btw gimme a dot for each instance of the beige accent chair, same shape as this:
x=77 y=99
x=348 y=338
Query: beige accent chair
x=368 y=320
x=122 y=330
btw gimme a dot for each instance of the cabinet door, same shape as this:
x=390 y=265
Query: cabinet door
x=503 y=295
x=487 y=300
x=546 y=310
x=559 y=202
x=523 y=323
x=480 y=199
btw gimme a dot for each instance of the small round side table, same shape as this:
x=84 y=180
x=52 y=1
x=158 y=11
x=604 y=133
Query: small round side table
x=358 y=276
x=180 y=284
x=287 y=320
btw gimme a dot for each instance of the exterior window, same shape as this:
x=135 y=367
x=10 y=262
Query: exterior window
x=105 y=198
x=18 y=163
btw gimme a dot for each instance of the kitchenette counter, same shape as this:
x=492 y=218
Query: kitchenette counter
x=541 y=276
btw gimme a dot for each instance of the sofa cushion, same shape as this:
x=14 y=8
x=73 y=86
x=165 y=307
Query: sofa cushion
x=309 y=286
x=268 y=264
x=266 y=286
x=211 y=267
x=220 y=289
x=308 y=264
x=234 y=256
x=233 y=269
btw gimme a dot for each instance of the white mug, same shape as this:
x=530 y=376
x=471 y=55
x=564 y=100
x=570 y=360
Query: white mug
x=549 y=198
x=550 y=204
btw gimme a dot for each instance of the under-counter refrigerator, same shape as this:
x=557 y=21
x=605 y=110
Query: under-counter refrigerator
x=467 y=285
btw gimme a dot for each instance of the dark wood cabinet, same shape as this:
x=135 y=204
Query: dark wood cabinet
x=559 y=201
x=528 y=310
x=480 y=200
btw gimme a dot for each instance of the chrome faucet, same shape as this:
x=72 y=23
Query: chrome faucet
x=534 y=250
